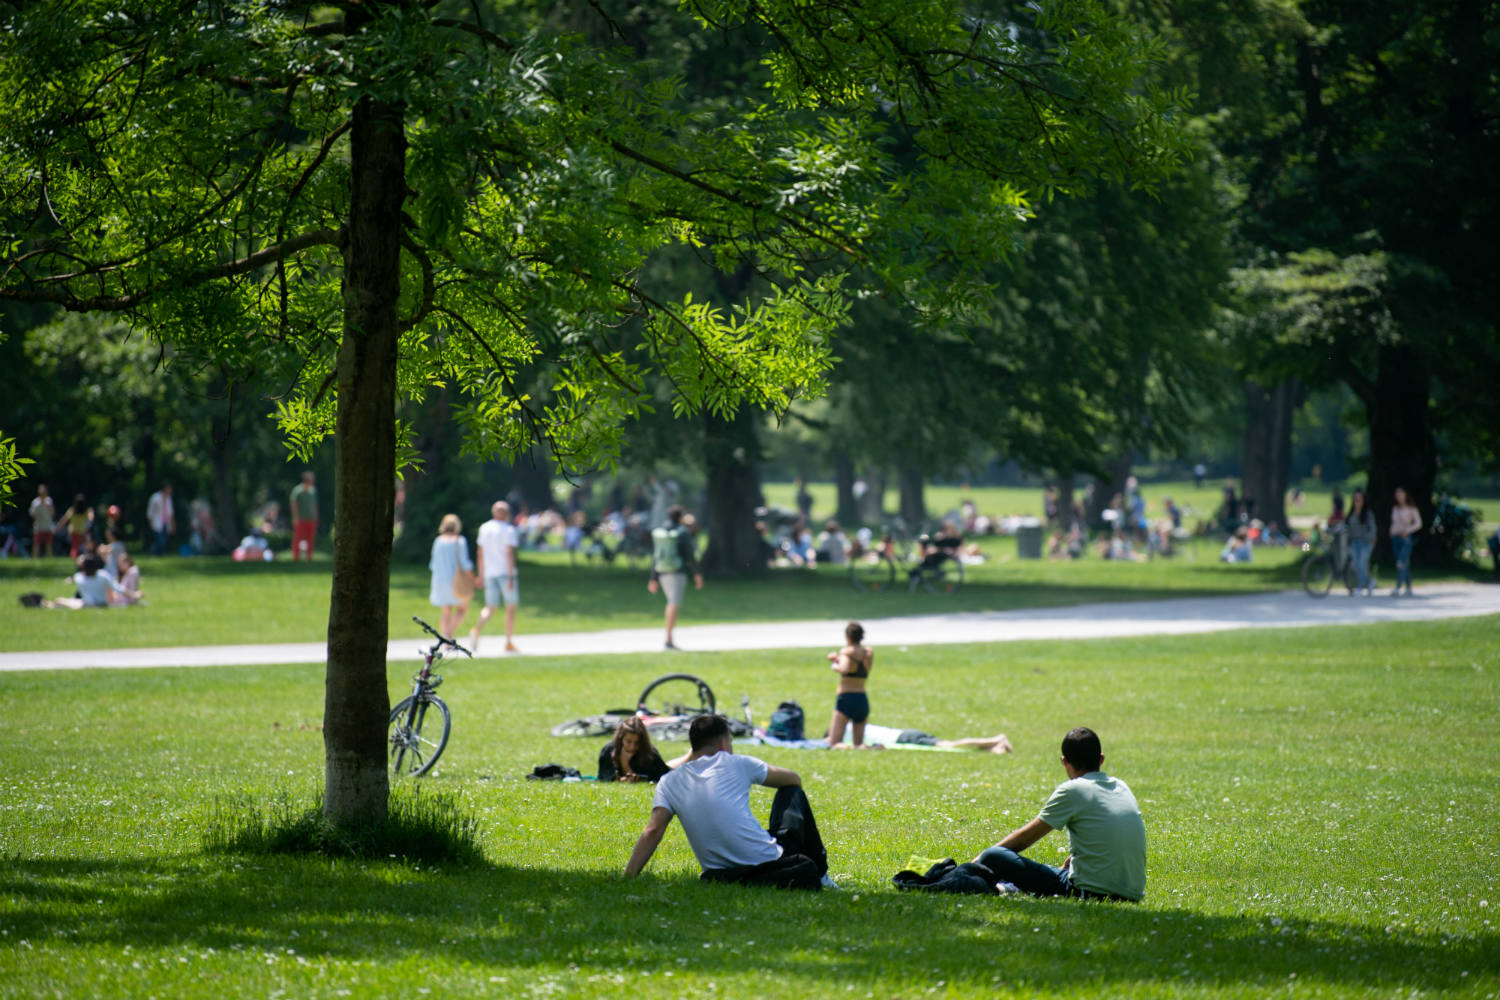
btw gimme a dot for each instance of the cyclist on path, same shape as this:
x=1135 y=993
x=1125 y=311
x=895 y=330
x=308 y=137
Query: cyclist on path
x=672 y=559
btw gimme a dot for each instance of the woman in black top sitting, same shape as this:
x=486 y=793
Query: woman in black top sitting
x=851 y=705
x=629 y=756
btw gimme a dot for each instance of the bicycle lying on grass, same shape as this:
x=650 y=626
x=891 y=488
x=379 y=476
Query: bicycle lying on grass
x=420 y=721
x=668 y=707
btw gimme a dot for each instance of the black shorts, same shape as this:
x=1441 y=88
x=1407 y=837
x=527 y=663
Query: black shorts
x=853 y=704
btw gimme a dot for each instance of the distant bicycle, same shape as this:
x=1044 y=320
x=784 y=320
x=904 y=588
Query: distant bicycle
x=1330 y=560
x=420 y=722
x=937 y=569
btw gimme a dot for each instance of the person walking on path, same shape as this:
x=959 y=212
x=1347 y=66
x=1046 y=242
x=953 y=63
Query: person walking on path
x=43 y=522
x=672 y=559
x=710 y=793
x=162 y=519
x=451 y=569
x=1106 y=835
x=496 y=545
x=304 y=504
x=1360 y=524
x=1406 y=521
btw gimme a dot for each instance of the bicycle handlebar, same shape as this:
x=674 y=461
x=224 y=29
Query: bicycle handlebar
x=442 y=640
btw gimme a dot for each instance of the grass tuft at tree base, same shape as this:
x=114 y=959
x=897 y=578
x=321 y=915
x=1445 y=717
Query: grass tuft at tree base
x=420 y=826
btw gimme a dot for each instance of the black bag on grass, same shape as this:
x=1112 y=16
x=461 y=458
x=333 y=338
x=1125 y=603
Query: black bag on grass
x=786 y=722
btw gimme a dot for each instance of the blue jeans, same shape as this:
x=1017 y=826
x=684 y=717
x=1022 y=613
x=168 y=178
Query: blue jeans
x=1027 y=875
x=1360 y=553
x=1401 y=549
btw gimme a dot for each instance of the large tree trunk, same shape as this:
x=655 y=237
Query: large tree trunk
x=730 y=452
x=1402 y=449
x=1116 y=471
x=355 y=708
x=843 y=480
x=1266 y=463
x=913 y=503
x=225 y=445
x=1065 y=501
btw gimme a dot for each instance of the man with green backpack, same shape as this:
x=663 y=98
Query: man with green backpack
x=672 y=559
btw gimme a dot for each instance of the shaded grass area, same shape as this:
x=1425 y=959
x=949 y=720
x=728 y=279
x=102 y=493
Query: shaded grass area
x=216 y=601
x=1318 y=803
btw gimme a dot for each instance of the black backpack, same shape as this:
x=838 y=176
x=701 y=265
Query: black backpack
x=786 y=722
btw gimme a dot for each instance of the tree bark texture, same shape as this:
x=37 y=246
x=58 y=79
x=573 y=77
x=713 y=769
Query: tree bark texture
x=843 y=480
x=913 y=502
x=225 y=445
x=730 y=451
x=1403 y=451
x=1116 y=471
x=1266 y=459
x=356 y=710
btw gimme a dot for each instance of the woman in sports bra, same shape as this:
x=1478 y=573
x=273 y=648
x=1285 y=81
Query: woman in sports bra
x=851 y=706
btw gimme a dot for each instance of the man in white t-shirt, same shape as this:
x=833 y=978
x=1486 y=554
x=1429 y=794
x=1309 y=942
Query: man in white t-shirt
x=496 y=546
x=710 y=793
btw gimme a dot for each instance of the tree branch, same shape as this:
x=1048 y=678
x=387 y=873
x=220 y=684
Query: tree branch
x=129 y=300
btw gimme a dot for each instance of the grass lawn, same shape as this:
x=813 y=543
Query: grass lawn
x=1320 y=805
x=215 y=601
x=1197 y=502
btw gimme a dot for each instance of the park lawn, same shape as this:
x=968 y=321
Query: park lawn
x=1199 y=503
x=1320 y=805
x=216 y=601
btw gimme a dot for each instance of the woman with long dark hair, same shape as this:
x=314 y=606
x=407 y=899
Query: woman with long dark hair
x=1406 y=521
x=629 y=756
x=1360 y=525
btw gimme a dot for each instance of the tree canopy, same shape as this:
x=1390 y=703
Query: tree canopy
x=368 y=200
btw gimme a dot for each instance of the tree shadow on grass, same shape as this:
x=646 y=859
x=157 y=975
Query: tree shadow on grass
x=576 y=923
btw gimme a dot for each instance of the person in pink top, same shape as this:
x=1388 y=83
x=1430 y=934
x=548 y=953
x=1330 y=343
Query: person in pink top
x=1406 y=521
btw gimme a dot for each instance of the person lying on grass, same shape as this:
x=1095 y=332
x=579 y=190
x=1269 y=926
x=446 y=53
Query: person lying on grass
x=629 y=756
x=1106 y=835
x=710 y=792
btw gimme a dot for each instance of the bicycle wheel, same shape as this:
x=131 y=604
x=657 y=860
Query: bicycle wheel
x=1317 y=575
x=589 y=725
x=1351 y=577
x=417 y=739
x=876 y=576
x=677 y=694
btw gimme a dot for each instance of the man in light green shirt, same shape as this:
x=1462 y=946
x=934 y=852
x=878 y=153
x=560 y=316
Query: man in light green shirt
x=1106 y=835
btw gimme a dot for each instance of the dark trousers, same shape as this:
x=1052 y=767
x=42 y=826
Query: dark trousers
x=803 y=861
x=1037 y=878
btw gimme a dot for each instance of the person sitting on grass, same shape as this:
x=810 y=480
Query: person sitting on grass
x=128 y=575
x=710 y=792
x=1106 y=835
x=629 y=756
x=95 y=587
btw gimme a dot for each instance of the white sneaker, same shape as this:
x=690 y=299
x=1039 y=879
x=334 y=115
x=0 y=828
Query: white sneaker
x=1007 y=888
x=828 y=883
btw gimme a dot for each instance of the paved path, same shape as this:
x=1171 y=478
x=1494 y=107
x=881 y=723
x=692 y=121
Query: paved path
x=1285 y=609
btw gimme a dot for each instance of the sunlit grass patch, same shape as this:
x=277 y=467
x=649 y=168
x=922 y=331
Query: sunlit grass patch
x=430 y=826
x=1319 y=810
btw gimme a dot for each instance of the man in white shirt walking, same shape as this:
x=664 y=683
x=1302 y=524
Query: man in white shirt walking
x=710 y=793
x=496 y=545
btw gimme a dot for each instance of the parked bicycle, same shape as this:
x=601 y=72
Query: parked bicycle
x=1329 y=560
x=932 y=563
x=420 y=722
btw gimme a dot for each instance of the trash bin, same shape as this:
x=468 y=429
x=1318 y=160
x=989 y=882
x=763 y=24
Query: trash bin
x=1029 y=539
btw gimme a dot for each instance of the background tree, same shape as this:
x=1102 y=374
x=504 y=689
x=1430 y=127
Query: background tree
x=1366 y=134
x=374 y=199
